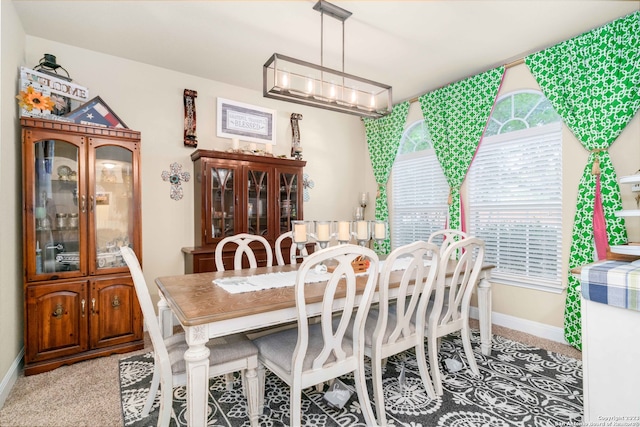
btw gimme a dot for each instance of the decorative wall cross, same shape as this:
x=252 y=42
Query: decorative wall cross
x=175 y=178
x=307 y=184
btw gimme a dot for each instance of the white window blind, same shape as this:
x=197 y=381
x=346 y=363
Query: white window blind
x=419 y=194
x=515 y=205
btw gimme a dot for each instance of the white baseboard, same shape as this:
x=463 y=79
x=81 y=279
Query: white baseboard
x=538 y=329
x=10 y=378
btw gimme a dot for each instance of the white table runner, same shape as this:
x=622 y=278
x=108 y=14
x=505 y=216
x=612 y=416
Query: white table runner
x=258 y=282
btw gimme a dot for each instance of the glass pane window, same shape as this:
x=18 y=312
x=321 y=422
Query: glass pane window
x=222 y=197
x=113 y=211
x=56 y=207
x=257 y=208
x=515 y=192
x=288 y=200
x=419 y=190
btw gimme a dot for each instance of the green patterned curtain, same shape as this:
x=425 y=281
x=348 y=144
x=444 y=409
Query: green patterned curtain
x=383 y=140
x=457 y=115
x=593 y=82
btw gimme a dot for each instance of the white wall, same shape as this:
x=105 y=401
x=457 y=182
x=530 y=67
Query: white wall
x=11 y=300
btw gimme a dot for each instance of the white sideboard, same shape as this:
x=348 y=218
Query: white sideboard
x=611 y=363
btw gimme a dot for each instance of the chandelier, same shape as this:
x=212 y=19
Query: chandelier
x=294 y=80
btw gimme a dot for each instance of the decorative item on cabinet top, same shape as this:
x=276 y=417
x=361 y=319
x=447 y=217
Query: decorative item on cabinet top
x=96 y=113
x=296 y=146
x=42 y=95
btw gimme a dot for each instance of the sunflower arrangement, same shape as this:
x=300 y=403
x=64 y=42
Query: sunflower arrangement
x=31 y=98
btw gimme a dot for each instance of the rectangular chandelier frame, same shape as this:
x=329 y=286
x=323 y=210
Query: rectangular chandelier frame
x=293 y=80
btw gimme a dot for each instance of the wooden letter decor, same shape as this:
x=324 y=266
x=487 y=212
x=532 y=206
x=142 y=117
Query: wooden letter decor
x=190 y=137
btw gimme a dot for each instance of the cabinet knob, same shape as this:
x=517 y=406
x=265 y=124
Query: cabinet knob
x=93 y=306
x=116 y=302
x=58 y=312
x=82 y=303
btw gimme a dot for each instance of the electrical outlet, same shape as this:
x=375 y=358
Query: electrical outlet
x=635 y=188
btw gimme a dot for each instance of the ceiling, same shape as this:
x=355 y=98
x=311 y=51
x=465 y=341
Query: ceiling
x=414 y=46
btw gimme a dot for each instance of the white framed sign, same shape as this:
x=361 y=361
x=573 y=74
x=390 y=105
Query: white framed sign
x=246 y=122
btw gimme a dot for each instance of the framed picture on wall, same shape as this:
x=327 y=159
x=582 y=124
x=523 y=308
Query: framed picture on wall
x=246 y=122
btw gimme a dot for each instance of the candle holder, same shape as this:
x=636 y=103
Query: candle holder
x=362 y=231
x=363 y=199
x=301 y=232
x=380 y=231
x=344 y=232
x=324 y=231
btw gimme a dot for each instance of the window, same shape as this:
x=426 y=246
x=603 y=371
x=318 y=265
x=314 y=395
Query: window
x=419 y=190
x=515 y=192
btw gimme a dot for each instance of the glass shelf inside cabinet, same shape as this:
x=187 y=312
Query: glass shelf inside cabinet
x=113 y=204
x=56 y=212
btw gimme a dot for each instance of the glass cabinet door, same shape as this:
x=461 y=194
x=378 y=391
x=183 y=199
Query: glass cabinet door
x=257 y=217
x=112 y=205
x=57 y=212
x=289 y=199
x=222 y=202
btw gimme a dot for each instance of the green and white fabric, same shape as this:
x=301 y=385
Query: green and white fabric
x=383 y=140
x=593 y=82
x=457 y=115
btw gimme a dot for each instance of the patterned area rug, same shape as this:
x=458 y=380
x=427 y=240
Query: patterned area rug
x=519 y=385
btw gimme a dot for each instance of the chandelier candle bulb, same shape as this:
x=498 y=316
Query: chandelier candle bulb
x=343 y=231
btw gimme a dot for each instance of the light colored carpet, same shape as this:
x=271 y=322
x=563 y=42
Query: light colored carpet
x=88 y=393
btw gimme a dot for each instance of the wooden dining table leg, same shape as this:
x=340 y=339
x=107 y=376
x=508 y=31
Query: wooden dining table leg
x=484 y=314
x=197 y=365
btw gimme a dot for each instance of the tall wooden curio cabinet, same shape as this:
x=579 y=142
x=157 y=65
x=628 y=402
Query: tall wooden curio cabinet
x=241 y=193
x=81 y=203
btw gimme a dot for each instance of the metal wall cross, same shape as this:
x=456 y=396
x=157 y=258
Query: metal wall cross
x=175 y=178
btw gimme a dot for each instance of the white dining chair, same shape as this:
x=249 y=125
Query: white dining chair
x=444 y=238
x=316 y=352
x=243 y=250
x=449 y=311
x=226 y=355
x=241 y=242
x=398 y=324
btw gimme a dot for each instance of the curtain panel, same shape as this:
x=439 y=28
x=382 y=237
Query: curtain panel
x=457 y=116
x=383 y=139
x=593 y=82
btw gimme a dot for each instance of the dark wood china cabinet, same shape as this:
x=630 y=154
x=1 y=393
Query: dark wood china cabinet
x=81 y=203
x=241 y=193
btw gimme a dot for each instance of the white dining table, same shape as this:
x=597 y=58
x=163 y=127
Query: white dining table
x=205 y=311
